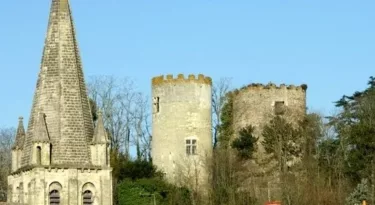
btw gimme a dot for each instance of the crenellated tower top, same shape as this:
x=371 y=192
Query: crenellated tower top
x=269 y=86
x=201 y=79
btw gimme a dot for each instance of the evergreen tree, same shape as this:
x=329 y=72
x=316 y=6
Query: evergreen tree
x=355 y=126
x=245 y=144
x=281 y=140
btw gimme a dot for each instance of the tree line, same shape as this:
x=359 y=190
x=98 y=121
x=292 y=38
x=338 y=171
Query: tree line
x=320 y=160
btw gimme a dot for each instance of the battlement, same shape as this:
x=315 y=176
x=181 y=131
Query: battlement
x=181 y=79
x=270 y=86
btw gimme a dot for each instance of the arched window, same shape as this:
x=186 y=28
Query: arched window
x=38 y=155
x=54 y=197
x=87 y=198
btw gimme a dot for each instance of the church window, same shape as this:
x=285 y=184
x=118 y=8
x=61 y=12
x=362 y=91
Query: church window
x=191 y=146
x=38 y=155
x=87 y=198
x=279 y=107
x=54 y=197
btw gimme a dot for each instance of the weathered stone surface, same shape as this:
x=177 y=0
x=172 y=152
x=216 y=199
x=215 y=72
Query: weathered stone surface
x=58 y=148
x=39 y=182
x=255 y=105
x=61 y=93
x=20 y=135
x=181 y=111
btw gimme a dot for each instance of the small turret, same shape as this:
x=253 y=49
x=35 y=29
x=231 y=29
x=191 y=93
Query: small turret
x=41 y=143
x=18 y=145
x=100 y=144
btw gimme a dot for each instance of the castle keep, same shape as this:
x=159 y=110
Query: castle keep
x=62 y=158
x=181 y=131
x=257 y=104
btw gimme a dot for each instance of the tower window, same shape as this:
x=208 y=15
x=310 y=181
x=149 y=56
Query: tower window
x=156 y=104
x=38 y=155
x=87 y=198
x=191 y=147
x=54 y=197
x=279 y=108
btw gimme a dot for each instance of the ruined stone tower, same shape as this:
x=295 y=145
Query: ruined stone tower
x=257 y=104
x=181 y=127
x=62 y=158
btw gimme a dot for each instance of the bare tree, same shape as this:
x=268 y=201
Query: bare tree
x=141 y=123
x=6 y=142
x=126 y=113
x=219 y=90
x=114 y=97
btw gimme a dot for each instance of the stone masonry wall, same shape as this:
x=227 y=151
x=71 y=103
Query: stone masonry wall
x=255 y=105
x=33 y=187
x=61 y=93
x=181 y=110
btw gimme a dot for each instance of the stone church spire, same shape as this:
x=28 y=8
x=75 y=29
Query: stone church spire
x=20 y=135
x=100 y=134
x=61 y=95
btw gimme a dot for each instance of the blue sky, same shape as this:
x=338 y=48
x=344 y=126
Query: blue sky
x=327 y=44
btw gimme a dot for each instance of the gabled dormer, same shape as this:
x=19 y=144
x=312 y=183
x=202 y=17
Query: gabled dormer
x=18 y=145
x=41 y=145
x=100 y=144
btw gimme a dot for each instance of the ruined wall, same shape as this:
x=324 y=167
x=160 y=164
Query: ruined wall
x=33 y=187
x=181 y=111
x=255 y=105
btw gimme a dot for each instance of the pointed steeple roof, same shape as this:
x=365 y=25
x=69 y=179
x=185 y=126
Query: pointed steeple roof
x=61 y=94
x=100 y=134
x=40 y=130
x=20 y=135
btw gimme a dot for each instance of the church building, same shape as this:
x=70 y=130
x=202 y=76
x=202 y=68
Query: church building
x=63 y=157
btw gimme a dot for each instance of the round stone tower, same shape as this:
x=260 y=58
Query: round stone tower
x=257 y=104
x=181 y=127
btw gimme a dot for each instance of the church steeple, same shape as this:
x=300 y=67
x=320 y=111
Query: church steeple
x=61 y=95
x=17 y=148
x=60 y=164
x=100 y=134
x=100 y=144
x=20 y=135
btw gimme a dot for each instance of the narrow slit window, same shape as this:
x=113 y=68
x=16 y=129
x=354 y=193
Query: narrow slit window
x=38 y=155
x=156 y=104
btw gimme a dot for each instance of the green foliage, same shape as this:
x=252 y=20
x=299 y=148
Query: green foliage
x=312 y=131
x=143 y=191
x=245 y=144
x=137 y=169
x=360 y=193
x=226 y=127
x=355 y=127
x=227 y=185
x=125 y=168
x=281 y=140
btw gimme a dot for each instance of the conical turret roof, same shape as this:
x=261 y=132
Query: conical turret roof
x=20 y=135
x=61 y=94
x=100 y=134
x=40 y=130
